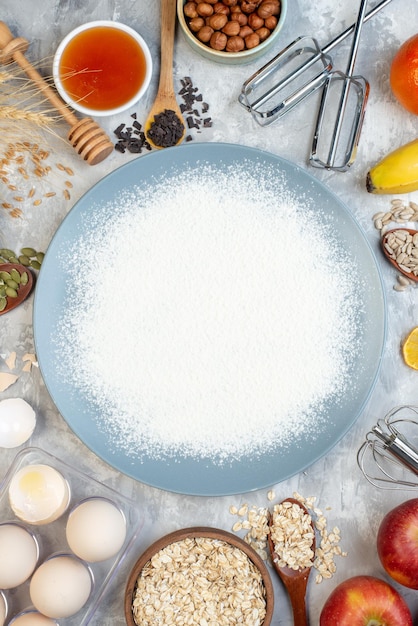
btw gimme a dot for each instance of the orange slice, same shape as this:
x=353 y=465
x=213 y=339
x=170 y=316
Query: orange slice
x=410 y=349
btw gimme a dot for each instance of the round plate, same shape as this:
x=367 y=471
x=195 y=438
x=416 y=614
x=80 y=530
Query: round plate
x=201 y=476
x=194 y=533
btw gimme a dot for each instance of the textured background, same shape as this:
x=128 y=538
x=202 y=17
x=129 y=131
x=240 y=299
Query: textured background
x=354 y=505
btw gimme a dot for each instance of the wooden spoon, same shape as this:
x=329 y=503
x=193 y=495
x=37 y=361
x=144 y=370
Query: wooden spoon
x=165 y=99
x=85 y=135
x=386 y=252
x=23 y=291
x=295 y=581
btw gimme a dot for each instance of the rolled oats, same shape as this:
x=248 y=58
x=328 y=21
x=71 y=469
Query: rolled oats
x=199 y=581
x=327 y=543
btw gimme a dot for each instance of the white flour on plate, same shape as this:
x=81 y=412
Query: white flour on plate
x=211 y=315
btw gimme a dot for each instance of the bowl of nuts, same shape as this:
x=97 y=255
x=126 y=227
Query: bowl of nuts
x=206 y=575
x=231 y=31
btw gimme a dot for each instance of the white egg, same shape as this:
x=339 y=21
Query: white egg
x=38 y=494
x=96 y=529
x=61 y=586
x=32 y=618
x=3 y=609
x=19 y=553
x=17 y=422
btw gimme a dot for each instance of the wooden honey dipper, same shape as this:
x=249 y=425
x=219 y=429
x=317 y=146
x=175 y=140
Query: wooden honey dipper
x=87 y=138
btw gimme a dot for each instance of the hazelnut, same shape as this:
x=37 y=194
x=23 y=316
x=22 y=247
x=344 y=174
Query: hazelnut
x=196 y=24
x=241 y=18
x=251 y=41
x=248 y=7
x=270 y=22
x=235 y=9
x=230 y=3
x=263 y=33
x=235 y=44
x=245 y=31
x=231 y=28
x=217 y=21
x=190 y=9
x=255 y=21
x=205 y=33
x=219 y=7
x=218 y=41
x=204 y=9
x=267 y=8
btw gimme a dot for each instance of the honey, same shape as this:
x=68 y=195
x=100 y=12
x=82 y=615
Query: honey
x=102 y=68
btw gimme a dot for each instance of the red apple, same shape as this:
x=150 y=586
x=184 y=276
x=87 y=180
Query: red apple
x=397 y=543
x=365 y=601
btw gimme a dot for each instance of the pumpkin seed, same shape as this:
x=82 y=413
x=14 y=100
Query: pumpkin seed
x=35 y=264
x=3 y=303
x=13 y=259
x=24 y=279
x=15 y=275
x=6 y=253
x=28 y=251
x=2 y=291
x=5 y=275
x=11 y=293
x=24 y=260
x=40 y=256
x=12 y=284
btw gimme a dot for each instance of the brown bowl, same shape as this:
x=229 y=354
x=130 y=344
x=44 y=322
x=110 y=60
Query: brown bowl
x=190 y=533
x=231 y=58
x=23 y=291
x=411 y=231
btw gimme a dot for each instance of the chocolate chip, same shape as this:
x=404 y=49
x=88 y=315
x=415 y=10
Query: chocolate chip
x=129 y=139
x=166 y=129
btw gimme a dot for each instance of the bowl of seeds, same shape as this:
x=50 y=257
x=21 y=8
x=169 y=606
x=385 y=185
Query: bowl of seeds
x=16 y=282
x=231 y=31
x=206 y=575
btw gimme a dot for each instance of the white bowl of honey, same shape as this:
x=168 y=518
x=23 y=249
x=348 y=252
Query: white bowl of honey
x=102 y=68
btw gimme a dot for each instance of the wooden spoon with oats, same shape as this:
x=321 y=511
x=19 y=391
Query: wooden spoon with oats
x=292 y=548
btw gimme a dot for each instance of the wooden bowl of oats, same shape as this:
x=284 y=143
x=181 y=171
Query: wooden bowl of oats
x=204 y=574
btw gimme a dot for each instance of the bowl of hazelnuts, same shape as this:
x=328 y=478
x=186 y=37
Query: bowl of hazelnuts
x=231 y=31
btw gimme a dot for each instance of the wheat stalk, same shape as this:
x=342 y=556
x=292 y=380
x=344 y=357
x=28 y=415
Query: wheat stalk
x=22 y=115
x=21 y=100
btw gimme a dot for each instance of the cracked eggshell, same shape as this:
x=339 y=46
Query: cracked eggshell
x=39 y=494
x=17 y=422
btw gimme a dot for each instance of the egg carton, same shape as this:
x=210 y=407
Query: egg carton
x=51 y=537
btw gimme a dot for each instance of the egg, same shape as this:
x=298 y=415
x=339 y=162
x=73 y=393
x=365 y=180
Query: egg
x=38 y=494
x=17 y=422
x=19 y=552
x=61 y=586
x=32 y=618
x=96 y=529
x=3 y=609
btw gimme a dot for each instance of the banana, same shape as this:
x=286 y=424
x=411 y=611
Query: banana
x=397 y=172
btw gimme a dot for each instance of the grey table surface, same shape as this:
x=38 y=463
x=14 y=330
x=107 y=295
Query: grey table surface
x=350 y=502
